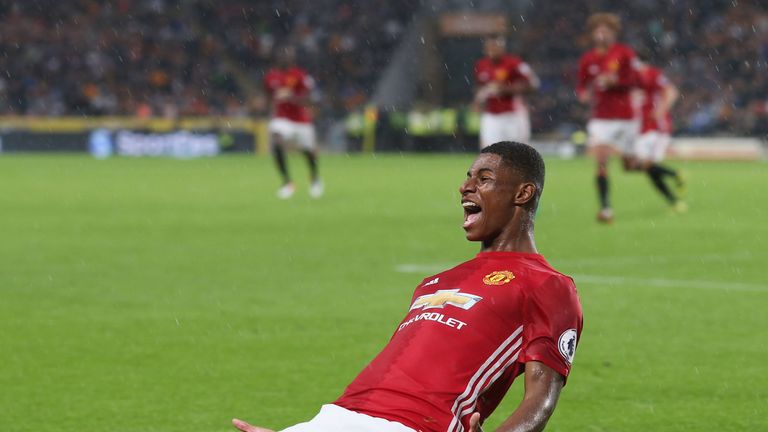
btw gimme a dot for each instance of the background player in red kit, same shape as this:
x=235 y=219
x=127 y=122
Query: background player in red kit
x=607 y=76
x=502 y=79
x=289 y=88
x=658 y=95
x=471 y=330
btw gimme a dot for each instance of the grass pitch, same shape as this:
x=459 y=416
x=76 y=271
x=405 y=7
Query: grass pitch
x=165 y=295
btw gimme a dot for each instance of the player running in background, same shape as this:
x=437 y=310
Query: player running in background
x=289 y=88
x=502 y=80
x=607 y=76
x=470 y=331
x=658 y=96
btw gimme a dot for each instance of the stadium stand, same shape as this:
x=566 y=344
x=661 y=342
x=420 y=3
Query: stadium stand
x=170 y=58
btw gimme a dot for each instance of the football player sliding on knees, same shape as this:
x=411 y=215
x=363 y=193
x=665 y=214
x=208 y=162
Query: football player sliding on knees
x=470 y=331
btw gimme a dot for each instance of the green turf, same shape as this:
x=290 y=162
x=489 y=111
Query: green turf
x=164 y=295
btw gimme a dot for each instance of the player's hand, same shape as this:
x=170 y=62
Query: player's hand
x=520 y=87
x=283 y=93
x=245 y=427
x=474 y=423
x=484 y=93
x=481 y=96
x=606 y=80
x=584 y=97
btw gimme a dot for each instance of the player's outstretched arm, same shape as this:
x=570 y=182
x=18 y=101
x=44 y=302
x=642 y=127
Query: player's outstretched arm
x=245 y=427
x=670 y=94
x=542 y=389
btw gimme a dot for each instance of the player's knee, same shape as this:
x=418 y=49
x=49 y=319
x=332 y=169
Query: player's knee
x=629 y=163
x=601 y=152
x=601 y=158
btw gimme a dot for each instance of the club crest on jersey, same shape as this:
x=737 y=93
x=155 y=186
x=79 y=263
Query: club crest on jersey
x=567 y=345
x=498 y=277
x=440 y=298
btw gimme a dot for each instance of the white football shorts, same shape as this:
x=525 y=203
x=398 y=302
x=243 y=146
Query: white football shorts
x=300 y=134
x=333 y=418
x=507 y=126
x=620 y=134
x=652 y=146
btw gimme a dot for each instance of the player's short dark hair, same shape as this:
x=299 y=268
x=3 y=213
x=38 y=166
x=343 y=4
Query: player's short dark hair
x=523 y=159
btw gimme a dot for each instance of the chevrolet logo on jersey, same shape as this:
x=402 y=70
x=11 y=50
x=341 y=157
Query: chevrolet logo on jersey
x=441 y=298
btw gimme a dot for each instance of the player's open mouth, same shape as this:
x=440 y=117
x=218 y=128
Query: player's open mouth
x=471 y=212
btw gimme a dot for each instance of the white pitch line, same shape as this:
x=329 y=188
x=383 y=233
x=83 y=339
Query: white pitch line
x=670 y=283
x=422 y=268
x=655 y=259
x=428 y=269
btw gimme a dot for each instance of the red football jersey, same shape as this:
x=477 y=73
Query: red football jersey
x=508 y=69
x=652 y=83
x=299 y=83
x=467 y=336
x=615 y=102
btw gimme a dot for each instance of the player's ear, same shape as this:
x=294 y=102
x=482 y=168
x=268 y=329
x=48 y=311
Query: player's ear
x=525 y=193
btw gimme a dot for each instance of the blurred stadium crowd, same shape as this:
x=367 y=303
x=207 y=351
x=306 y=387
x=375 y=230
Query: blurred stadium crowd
x=171 y=57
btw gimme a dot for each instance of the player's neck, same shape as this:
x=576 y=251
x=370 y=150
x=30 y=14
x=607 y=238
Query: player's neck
x=517 y=237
